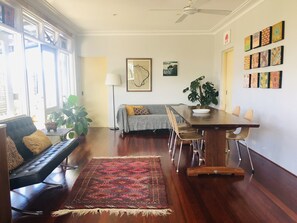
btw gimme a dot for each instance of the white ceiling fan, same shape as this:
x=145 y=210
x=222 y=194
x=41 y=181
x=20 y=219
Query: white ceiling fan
x=193 y=8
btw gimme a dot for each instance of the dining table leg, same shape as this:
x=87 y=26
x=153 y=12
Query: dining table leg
x=215 y=156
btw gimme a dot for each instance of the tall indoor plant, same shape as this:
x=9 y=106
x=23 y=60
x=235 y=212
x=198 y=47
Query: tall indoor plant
x=76 y=116
x=204 y=93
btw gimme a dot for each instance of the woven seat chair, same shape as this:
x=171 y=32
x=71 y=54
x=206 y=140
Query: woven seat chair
x=193 y=136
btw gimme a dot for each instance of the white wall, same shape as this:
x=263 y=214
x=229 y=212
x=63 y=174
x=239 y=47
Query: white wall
x=193 y=53
x=275 y=109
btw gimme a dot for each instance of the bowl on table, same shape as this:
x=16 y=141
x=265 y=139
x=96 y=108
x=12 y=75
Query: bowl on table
x=201 y=110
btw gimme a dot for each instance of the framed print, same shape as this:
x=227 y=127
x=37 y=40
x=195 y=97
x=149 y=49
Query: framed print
x=278 y=31
x=246 y=80
x=275 y=79
x=264 y=80
x=247 y=43
x=266 y=36
x=8 y=15
x=265 y=58
x=139 y=74
x=1 y=13
x=170 y=68
x=254 y=80
x=247 y=62
x=256 y=40
x=255 y=60
x=277 y=55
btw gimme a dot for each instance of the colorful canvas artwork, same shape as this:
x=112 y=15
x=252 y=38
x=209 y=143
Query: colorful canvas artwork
x=247 y=62
x=254 y=80
x=266 y=36
x=255 y=60
x=276 y=57
x=246 y=80
x=264 y=80
x=265 y=58
x=275 y=79
x=247 y=43
x=278 y=31
x=256 y=40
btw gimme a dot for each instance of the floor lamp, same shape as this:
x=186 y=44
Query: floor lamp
x=113 y=80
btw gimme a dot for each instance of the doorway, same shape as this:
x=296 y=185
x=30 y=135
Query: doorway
x=227 y=77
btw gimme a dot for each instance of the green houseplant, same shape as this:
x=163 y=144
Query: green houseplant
x=204 y=93
x=76 y=116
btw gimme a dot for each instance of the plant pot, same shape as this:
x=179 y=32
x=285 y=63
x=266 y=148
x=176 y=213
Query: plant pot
x=51 y=126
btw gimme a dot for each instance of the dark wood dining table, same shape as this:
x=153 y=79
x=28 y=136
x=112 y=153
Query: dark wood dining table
x=215 y=123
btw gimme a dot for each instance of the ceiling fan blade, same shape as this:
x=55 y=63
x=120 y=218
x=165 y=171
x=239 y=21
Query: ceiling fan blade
x=164 y=10
x=214 y=11
x=180 y=19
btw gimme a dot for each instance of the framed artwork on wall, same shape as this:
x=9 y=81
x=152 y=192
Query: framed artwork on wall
x=275 y=79
x=1 y=14
x=8 y=15
x=266 y=36
x=248 y=43
x=278 y=31
x=247 y=62
x=255 y=60
x=139 y=74
x=277 y=55
x=170 y=68
x=256 y=40
x=264 y=80
x=246 y=80
x=254 y=80
x=265 y=58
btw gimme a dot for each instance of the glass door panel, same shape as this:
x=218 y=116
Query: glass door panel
x=50 y=78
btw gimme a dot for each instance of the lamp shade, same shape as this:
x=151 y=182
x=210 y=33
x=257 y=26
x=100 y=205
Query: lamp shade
x=112 y=79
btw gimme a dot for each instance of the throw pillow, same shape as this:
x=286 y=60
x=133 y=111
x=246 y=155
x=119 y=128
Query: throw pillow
x=37 y=142
x=130 y=108
x=14 y=159
x=141 y=111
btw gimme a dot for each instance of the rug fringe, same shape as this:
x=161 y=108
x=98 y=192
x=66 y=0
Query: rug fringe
x=117 y=212
x=124 y=157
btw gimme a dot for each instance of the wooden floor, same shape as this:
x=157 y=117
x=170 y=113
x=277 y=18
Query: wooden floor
x=270 y=195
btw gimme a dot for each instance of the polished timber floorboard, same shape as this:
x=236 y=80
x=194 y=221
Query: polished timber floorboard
x=270 y=195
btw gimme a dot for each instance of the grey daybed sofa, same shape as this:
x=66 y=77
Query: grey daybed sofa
x=156 y=119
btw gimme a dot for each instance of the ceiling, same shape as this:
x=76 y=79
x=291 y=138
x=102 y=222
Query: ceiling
x=142 y=16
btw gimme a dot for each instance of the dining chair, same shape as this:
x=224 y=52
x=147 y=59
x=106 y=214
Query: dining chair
x=182 y=128
x=193 y=136
x=242 y=136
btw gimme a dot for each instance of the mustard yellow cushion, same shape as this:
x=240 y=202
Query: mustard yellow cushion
x=14 y=159
x=130 y=108
x=37 y=142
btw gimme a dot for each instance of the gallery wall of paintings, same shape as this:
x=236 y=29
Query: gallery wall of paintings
x=271 y=57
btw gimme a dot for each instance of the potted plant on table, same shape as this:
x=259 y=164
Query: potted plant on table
x=204 y=93
x=76 y=117
x=54 y=120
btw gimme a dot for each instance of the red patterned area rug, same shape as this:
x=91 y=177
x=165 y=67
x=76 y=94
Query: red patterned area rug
x=119 y=185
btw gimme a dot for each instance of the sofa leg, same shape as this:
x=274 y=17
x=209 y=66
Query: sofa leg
x=68 y=167
x=36 y=213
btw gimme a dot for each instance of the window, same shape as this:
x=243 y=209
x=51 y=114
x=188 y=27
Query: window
x=49 y=36
x=35 y=75
x=30 y=27
x=12 y=89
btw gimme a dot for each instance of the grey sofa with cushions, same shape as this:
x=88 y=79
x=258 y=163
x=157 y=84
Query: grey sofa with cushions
x=156 y=119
